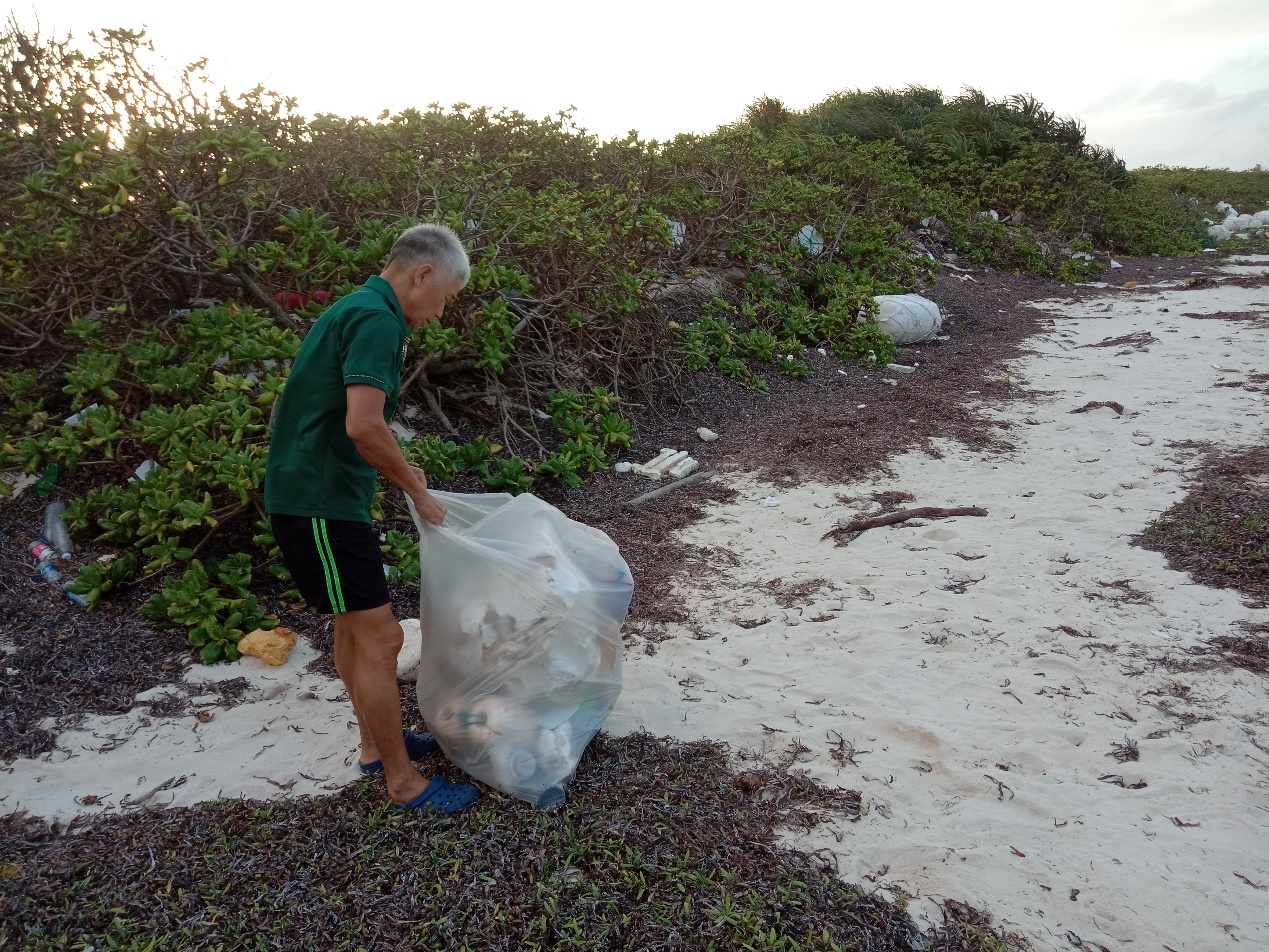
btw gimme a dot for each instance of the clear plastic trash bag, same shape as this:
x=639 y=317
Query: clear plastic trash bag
x=521 y=610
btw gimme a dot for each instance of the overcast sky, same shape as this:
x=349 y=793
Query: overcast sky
x=1175 y=82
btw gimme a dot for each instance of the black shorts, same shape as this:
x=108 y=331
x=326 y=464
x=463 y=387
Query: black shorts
x=337 y=564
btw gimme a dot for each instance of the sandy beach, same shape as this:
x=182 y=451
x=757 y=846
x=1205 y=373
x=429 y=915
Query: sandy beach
x=970 y=676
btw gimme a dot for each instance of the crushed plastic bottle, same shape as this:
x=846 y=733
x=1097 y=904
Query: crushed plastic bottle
x=49 y=572
x=55 y=530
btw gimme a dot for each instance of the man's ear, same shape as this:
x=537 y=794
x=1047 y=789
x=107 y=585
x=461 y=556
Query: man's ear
x=422 y=273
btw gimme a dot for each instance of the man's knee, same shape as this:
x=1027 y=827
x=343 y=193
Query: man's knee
x=378 y=639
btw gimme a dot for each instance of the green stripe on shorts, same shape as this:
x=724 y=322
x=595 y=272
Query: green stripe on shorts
x=327 y=555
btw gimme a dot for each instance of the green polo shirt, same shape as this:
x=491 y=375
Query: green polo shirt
x=314 y=469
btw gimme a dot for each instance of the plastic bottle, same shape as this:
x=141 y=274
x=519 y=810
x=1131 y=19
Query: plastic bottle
x=49 y=572
x=80 y=600
x=41 y=551
x=55 y=530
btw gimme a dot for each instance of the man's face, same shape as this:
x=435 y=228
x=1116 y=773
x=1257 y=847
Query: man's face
x=427 y=292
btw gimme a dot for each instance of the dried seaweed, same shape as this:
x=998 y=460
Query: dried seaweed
x=661 y=846
x=1219 y=533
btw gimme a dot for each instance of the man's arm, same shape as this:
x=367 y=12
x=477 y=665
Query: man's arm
x=378 y=446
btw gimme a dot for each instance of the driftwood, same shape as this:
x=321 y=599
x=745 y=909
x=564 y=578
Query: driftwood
x=841 y=534
x=1109 y=404
x=697 y=477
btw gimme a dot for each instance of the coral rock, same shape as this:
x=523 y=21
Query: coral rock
x=271 y=647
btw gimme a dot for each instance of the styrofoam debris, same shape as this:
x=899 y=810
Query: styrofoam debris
x=706 y=435
x=623 y=467
x=402 y=431
x=660 y=464
x=20 y=483
x=685 y=467
x=1115 y=264
x=771 y=501
x=900 y=369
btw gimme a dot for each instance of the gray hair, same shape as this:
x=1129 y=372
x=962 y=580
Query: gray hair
x=432 y=244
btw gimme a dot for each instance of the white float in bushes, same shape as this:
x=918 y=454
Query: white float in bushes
x=808 y=239
x=908 y=318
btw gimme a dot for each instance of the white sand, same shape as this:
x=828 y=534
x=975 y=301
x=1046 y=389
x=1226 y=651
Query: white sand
x=293 y=733
x=939 y=692
x=944 y=694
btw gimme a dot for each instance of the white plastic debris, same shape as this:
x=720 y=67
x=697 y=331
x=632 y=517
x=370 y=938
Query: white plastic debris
x=145 y=469
x=1082 y=256
x=861 y=406
x=908 y=318
x=74 y=417
x=1115 y=264
x=989 y=215
x=679 y=231
x=623 y=467
x=900 y=369
x=706 y=435
x=402 y=431
x=1226 y=207
x=771 y=501
x=809 y=239
x=821 y=351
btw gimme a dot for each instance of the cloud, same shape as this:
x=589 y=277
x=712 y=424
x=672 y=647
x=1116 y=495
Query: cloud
x=1178 y=94
x=1219 y=118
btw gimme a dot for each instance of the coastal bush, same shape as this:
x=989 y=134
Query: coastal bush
x=163 y=249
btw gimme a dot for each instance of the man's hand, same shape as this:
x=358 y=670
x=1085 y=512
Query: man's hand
x=430 y=508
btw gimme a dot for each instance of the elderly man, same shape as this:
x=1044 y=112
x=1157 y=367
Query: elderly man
x=330 y=436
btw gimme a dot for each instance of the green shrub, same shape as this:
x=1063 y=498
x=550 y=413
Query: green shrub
x=236 y=212
x=212 y=600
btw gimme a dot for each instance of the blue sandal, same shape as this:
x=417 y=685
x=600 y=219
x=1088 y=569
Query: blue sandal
x=443 y=797
x=417 y=746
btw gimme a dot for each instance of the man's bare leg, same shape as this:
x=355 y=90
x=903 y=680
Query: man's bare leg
x=376 y=639
x=345 y=663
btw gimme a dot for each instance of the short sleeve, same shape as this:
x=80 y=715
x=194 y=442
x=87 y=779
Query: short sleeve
x=370 y=344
